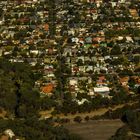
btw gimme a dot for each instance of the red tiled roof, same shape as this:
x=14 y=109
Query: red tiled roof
x=48 y=88
x=46 y=27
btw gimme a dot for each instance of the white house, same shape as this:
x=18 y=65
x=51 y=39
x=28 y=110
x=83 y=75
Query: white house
x=82 y=101
x=9 y=133
x=101 y=89
x=73 y=82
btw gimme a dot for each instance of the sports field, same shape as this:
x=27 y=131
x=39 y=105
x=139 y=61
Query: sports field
x=95 y=130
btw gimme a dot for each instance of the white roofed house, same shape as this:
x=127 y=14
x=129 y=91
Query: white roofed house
x=71 y=32
x=75 y=40
x=67 y=52
x=103 y=91
x=82 y=69
x=34 y=53
x=80 y=102
x=73 y=81
x=122 y=1
x=89 y=68
x=129 y=39
x=114 y=4
x=98 y=2
x=91 y=92
x=120 y=37
x=73 y=84
x=9 y=133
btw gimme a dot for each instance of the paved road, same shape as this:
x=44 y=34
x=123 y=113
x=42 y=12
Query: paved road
x=95 y=130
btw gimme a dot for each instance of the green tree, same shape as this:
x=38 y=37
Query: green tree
x=18 y=94
x=116 y=50
x=78 y=119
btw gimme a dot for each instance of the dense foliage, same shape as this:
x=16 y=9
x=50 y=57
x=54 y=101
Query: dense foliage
x=131 y=129
x=32 y=129
x=22 y=102
x=17 y=94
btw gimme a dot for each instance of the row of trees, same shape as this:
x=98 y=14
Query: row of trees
x=71 y=106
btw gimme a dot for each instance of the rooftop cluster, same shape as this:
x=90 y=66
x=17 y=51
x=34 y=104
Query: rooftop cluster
x=79 y=46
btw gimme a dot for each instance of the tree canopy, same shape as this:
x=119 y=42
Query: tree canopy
x=17 y=94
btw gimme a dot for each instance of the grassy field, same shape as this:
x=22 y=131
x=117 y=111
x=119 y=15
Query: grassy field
x=95 y=130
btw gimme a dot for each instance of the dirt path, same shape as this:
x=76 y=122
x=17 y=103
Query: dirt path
x=95 y=130
x=97 y=112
